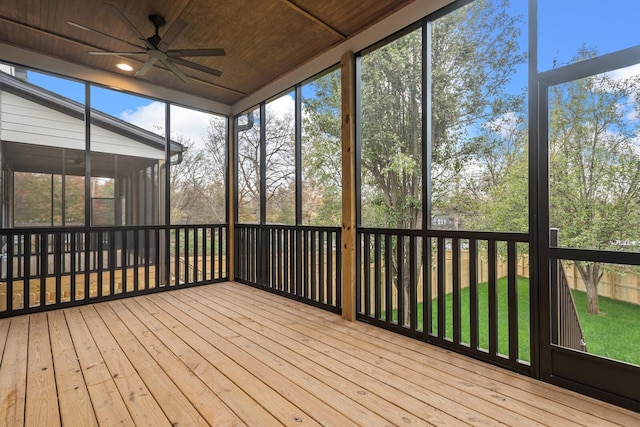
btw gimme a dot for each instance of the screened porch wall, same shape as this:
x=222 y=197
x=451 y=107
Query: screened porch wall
x=85 y=205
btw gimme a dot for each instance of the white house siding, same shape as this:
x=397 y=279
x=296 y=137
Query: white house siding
x=28 y=122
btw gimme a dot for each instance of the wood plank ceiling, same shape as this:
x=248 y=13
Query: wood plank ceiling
x=263 y=39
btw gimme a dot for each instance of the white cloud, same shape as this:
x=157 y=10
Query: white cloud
x=190 y=124
x=282 y=107
x=149 y=117
x=505 y=125
x=625 y=73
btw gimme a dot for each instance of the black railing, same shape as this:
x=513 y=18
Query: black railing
x=298 y=262
x=566 y=329
x=45 y=268
x=456 y=289
x=569 y=331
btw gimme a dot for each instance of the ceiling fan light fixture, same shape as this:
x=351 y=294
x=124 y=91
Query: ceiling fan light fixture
x=124 y=67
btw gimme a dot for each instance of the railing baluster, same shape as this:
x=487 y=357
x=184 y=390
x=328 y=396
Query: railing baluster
x=58 y=257
x=273 y=253
x=44 y=250
x=493 y=298
x=400 y=279
x=330 y=268
x=457 y=311
x=338 y=270
x=147 y=252
x=286 y=286
x=367 y=274
x=473 y=294
x=305 y=255
x=136 y=260
x=377 y=276
x=413 y=283
x=314 y=266
x=25 y=258
x=388 y=280
x=512 y=280
x=442 y=298
x=100 y=265
x=10 y=251
x=72 y=267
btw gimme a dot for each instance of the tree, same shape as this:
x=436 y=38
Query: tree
x=280 y=167
x=595 y=167
x=473 y=57
x=198 y=181
x=321 y=151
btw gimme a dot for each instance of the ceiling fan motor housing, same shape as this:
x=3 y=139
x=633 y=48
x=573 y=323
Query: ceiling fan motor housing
x=157 y=21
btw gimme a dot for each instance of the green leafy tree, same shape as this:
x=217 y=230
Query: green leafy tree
x=595 y=167
x=321 y=152
x=32 y=199
x=473 y=57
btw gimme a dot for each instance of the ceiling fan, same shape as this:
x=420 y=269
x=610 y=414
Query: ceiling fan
x=156 y=48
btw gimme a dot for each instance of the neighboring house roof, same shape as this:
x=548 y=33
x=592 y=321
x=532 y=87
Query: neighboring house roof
x=75 y=109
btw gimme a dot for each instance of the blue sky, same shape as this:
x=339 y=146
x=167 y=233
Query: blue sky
x=564 y=26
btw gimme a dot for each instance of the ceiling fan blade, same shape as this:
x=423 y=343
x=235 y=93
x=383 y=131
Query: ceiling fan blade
x=145 y=67
x=172 y=32
x=82 y=27
x=117 y=53
x=128 y=23
x=198 y=67
x=175 y=70
x=175 y=53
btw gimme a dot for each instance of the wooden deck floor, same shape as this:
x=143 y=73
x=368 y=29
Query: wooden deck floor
x=227 y=354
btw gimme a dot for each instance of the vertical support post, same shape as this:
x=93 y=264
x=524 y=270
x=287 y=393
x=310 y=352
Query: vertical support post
x=164 y=261
x=554 y=283
x=348 y=84
x=231 y=197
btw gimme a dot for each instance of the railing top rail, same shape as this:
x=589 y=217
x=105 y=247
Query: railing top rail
x=460 y=234
x=176 y=226
x=290 y=227
x=80 y=229
x=590 y=255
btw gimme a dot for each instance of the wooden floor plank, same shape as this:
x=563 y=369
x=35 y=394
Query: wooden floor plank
x=174 y=404
x=247 y=370
x=208 y=404
x=144 y=409
x=73 y=396
x=296 y=394
x=358 y=414
x=476 y=398
x=564 y=407
x=278 y=349
x=388 y=400
x=4 y=332
x=13 y=373
x=107 y=403
x=232 y=395
x=42 y=407
x=232 y=355
x=566 y=403
x=437 y=408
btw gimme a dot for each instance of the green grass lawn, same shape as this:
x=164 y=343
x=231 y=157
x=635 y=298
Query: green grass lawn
x=615 y=333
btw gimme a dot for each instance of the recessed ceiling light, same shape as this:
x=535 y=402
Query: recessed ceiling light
x=124 y=67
